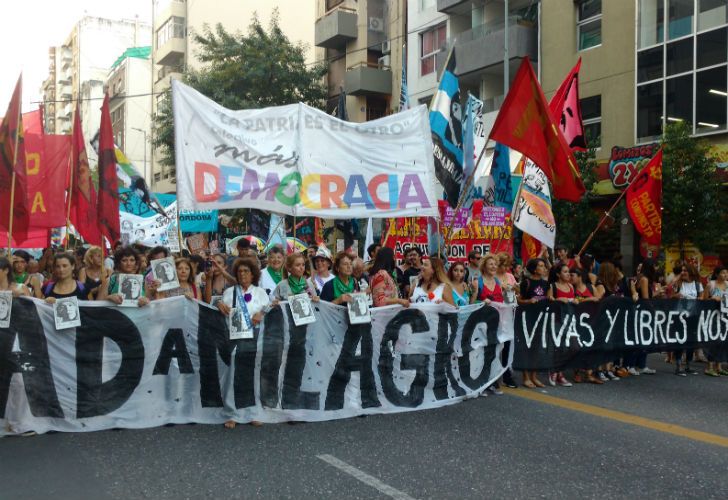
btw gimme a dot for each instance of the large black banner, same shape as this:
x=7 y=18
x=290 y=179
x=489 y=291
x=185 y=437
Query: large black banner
x=555 y=335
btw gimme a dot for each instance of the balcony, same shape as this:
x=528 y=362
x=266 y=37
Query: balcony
x=335 y=28
x=368 y=79
x=453 y=6
x=66 y=57
x=481 y=49
x=172 y=52
x=164 y=10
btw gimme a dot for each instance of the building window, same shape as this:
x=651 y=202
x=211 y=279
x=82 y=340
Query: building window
x=589 y=24
x=330 y=4
x=679 y=99
x=711 y=97
x=680 y=18
x=649 y=112
x=712 y=13
x=651 y=22
x=430 y=43
x=157 y=177
x=591 y=116
x=679 y=57
x=712 y=48
x=174 y=27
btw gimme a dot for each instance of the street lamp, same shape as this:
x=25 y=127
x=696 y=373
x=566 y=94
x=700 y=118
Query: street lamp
x=146 y=176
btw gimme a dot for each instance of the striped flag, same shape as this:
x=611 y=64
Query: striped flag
x=403 y=92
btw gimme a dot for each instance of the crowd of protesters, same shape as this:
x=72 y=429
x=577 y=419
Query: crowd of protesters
x=264 y=280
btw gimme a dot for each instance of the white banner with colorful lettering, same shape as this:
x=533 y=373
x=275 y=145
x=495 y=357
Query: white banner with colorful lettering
x=298 y=160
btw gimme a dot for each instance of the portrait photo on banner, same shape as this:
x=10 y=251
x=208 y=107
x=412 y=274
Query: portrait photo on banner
x=66 y=313
x=130 y=288
x=164 y=271
x=359 y=309
x=6 y=308
x=301 y=309
x=239 y=326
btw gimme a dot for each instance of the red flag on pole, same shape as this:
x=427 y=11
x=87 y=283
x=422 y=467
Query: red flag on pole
x=524 y=123
x=108 y=180
x=644 y=200
x=83 y=193
x=566 y=110
x=14 y=213
x=33 y=122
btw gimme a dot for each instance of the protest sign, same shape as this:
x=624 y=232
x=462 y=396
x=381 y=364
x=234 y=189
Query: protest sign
x=297 y=160
x=174 y=364
x=554 y=335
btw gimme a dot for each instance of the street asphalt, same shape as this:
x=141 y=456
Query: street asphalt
x=496 y=447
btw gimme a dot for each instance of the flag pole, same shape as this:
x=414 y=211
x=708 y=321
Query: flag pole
x=463 y=193
x=513 y=216
x=603 y=220
x=70 y=186
x=12 y=181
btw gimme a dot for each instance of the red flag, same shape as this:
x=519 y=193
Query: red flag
x=524 y=123
x=530 y=248
x=47 y=170
x=108 y=180
x=33 y=122
x=566 y=110
x=644 y=200
x=13 y=181
x=83 y=192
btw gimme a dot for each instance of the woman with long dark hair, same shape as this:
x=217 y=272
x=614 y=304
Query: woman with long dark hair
x=433 y=286
x=716 y=291
x=686 y=286
x=534 y=288
x=384 y=287
x=64 y=285
x=7 y=282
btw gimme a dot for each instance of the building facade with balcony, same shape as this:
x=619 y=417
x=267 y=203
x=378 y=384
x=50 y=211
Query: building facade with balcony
x=79 y=67
x=362 y=43
x=173 y=50
x=128 y=85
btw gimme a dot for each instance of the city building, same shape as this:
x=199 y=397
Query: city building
x=80 y=66
x=129 y=85
x=175 y=21
x=363 y=43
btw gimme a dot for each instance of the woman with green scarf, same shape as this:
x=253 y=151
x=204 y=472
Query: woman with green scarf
x=339 y=289
x=295 y=281
x=272 y=274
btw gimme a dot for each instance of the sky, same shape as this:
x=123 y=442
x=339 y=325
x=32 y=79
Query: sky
x=29 y=27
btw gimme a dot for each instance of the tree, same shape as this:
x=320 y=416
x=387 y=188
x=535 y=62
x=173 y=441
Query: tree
x=693 y=200
x=260 y=69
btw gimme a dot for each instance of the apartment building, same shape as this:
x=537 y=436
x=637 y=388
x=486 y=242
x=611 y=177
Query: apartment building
x=362 y=43
x=175 y=21
x=129 y=84
x=78 y=68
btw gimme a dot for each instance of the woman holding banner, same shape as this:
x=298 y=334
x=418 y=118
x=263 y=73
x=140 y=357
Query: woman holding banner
x=322 y=268
x=488 y=285
x=717 y=291
x=186 y=279
x=65 y=285
x=533 y=289
x=295 y=282
x=272 y=274
x=384 y=287
x=339 y=290
x=126 y=261
x=462 y=291
x=6 y=280
x=433 y=286
x=686 y=286
x=93 y=271
x=216 y=278
x=561 y=290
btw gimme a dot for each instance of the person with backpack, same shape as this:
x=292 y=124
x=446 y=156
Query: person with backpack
x=64 y=285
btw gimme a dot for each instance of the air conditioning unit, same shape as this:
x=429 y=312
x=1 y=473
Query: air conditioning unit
x=384 y=61
x=386 y=47
x=376 y=24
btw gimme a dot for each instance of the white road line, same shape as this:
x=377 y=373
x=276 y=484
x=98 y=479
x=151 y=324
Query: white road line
x=365 y=478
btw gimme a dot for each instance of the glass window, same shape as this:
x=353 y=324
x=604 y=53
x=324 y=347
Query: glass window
x=591 y=115
x=589 y=8
x=679 y=99
x=330 y=4
x=679 y=57
x=589 y=24
x=651 y=22
x=680 y=18
x=174 y=27
x=649 y=64
x=712 y=48
x=430 y=43
x=649 y=111
x=427 y=4
x=711 y=94
x=712 y=13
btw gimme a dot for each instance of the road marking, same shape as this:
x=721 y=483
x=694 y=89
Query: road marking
x=365 y=478
x=676 y=430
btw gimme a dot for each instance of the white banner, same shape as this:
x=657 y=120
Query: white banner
x=148 y=231
x=297 y=160
x=533 y=213
x=173 y=362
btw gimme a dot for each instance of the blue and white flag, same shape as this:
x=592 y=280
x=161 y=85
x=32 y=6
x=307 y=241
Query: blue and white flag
x=447 y=134
x=403 y=92
x=501 y=173
x=277 y=231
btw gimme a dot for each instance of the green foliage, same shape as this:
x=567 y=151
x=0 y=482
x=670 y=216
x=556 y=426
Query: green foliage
x=692 y=199
x=244 y=71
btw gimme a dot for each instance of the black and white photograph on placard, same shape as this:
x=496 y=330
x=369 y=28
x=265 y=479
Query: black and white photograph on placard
x=359 y=309
x=215 y=299
x=6 y=308
x=239 y=328
x=130 y=288
x=164 y=271
x=66 y=313
x=302 y=309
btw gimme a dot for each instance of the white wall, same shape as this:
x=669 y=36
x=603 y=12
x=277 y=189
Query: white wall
x=419 y=20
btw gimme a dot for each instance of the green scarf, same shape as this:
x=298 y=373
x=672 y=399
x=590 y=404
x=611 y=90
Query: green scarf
x=340 y=288
x=276 y=276
x=297 y=285
x=20 y=278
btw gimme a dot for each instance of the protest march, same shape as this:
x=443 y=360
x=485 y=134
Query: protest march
x=125 y=308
